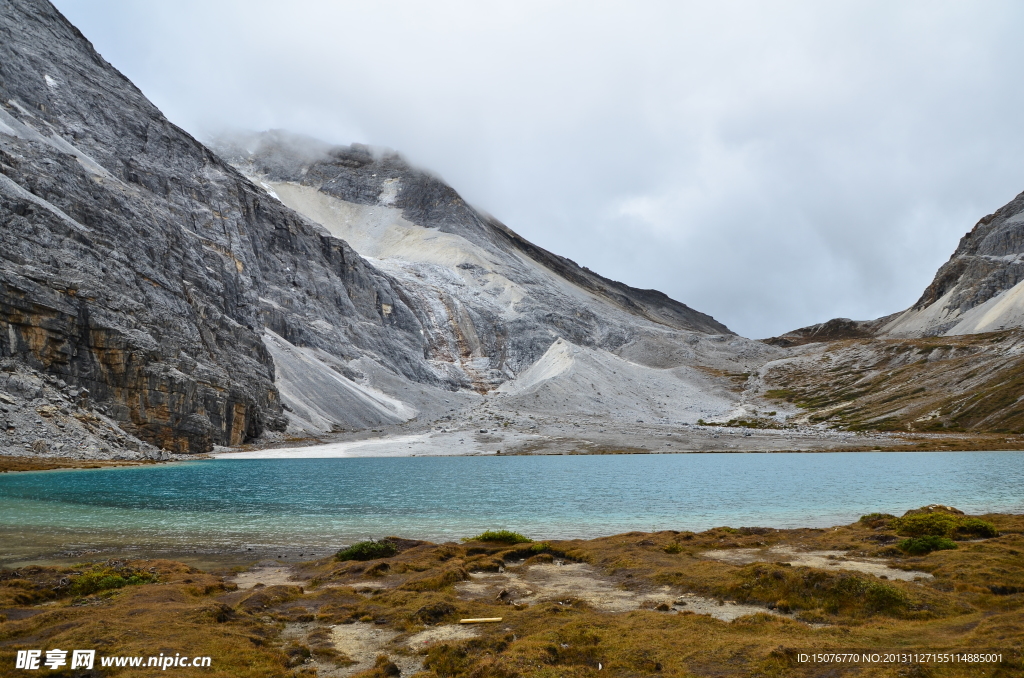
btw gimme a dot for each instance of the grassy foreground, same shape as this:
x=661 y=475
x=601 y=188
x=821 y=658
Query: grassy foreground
x=973 y=601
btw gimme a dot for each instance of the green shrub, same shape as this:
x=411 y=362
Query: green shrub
x=367 y=550
x=674 y=547
x=919 y=546
x=501 y=537
x=105 y=578
x=975 y=527
x=540 y=547
x=943 y=525
x=885 y=598
x=927 y=525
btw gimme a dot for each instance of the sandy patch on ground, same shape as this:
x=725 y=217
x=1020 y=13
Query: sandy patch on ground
x=553 y=582
x=825 y=560
x=725 y=610
x=367 y=587
x=268 y=576
x=363 y=643
x=436 y=634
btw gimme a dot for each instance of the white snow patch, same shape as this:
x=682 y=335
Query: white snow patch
x=50 y=82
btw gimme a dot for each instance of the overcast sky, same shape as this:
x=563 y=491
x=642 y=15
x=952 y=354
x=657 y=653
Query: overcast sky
x=774 y=164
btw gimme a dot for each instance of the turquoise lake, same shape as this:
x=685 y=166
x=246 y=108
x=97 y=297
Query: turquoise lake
x=322 y=503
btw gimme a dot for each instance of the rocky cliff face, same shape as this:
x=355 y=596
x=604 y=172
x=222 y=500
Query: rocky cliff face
x=363 y=176
x=979 y=288
x=137 y=264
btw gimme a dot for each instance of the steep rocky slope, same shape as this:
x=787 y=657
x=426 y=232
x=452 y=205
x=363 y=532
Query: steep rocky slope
x=971 y=382
x=136 y=264
x=979 y=289
x=199 y=309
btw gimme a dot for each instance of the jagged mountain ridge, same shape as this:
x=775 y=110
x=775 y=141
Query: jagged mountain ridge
x=491 y=302
x=979 y=288
x=366 y=176
x=137 y=264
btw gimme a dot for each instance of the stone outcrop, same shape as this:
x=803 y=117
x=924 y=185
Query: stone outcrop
x=831 y=330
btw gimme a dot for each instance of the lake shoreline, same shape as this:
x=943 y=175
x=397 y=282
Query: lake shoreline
x=417 y=441
x=244 y=509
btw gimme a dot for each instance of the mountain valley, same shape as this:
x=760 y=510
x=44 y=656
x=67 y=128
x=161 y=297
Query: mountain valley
x=273 y=291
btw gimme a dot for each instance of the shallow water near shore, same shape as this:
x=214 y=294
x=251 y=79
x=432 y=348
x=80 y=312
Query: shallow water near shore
x=316 y=505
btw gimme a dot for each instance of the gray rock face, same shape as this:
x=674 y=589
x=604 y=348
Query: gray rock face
x=490 y=303
x=986 y=262
x=135 y=263
x=360 y=175
x=977 y=289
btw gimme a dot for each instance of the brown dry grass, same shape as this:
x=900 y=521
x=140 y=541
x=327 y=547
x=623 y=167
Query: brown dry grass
x=975 y=601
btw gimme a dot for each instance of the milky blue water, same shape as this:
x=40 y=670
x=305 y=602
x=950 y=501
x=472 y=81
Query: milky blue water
x=326 y=502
